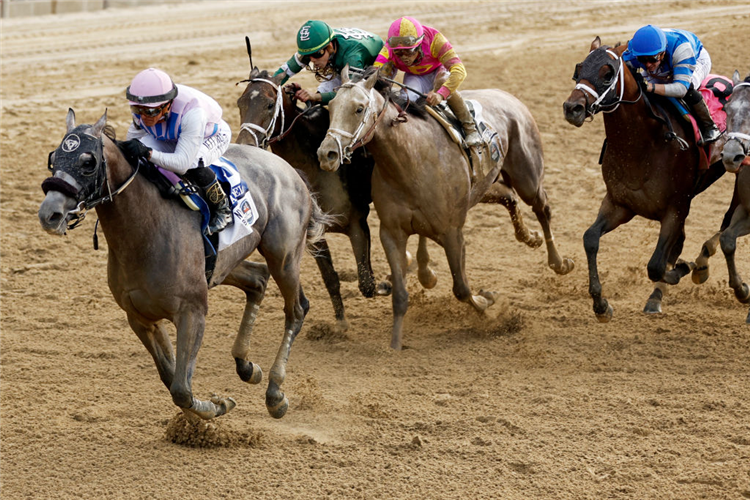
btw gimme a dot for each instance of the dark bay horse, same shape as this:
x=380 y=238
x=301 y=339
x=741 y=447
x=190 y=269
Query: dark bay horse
x=421 y=182
x=270 y=116
x=644 y=173
x=156 y=265
x=736 y=159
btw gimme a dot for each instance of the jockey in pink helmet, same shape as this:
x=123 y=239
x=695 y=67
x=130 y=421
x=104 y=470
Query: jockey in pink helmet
x=427 y=58
x=180 y=129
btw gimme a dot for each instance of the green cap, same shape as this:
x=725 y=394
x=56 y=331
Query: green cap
x=313 y=36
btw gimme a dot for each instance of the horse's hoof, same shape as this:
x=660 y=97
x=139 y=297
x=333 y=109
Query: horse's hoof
x=279 y=409
x=249 y=372
x=384 y=289
x=427 y=278
x=490 y=296
x=700 y=275
x=535 y=239
x=342 y=326
x=743 y=294
x=565 y=267
x=652 y=307
x=225 y=404
x=606 y=316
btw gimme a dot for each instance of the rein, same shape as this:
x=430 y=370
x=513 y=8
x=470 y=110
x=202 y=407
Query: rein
x=358 y=139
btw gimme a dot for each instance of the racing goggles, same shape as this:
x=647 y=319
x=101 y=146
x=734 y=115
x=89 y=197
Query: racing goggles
x=648 y=59
x=404 y=42
x=147 y=111
x=318 y=54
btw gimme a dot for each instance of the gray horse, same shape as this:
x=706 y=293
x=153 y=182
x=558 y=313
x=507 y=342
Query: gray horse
x=156 y=264
x=736 y=159
x=421 y=183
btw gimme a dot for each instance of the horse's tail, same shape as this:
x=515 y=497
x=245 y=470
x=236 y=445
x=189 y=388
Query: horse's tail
x=319 y=221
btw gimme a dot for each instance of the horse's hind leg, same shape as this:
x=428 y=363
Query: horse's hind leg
x=155 y=338
x=426 y=275
x=284 y=267
x=543 y=214
x=700 y=273
x=251 y=278
x=502 y=194
x=455 y=251
x=324 y=261
x=740 y=226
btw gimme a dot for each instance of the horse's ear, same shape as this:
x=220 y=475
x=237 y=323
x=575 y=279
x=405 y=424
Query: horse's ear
x=279 y=78
x=254 y=72
x=345 y=74
x=96 y=130
x=371 y=80
x=736 y=77
x=70 y=120
x=595 y=44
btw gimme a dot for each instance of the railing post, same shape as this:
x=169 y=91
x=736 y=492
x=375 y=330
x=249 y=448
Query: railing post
x=6 y=8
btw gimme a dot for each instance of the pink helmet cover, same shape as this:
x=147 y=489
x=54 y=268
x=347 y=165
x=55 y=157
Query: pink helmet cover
x=151 y=87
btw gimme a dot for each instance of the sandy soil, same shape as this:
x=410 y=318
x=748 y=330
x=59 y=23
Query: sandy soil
x=535 y=400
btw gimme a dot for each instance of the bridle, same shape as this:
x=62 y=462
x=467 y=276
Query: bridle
x=738 y=136
x=278 y=111
x=93 y=192
x=598 y=104
x=360 y=136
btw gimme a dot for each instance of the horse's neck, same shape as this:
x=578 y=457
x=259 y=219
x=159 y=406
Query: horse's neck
x=136 y=214
x=299 y=147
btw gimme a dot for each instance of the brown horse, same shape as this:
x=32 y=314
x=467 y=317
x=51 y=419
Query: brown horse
x=421 y=183
x=156 y=264
x=736 y=160
x=270 y=116
x=644 y=174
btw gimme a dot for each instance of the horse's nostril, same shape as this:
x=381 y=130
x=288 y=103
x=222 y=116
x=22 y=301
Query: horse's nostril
x=332 y=155
x=739 y=158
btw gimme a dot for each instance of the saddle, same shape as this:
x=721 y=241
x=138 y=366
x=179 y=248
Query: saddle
x=244 y=211
x=479 y=163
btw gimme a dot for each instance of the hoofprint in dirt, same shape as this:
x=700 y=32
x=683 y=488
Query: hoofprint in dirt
x=536 y=400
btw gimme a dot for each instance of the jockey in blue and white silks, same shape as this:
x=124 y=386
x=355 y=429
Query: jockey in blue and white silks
x=674 y=64
x=180 y=129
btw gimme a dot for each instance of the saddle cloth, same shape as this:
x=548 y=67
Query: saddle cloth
x=715 y=90
x=244 y=211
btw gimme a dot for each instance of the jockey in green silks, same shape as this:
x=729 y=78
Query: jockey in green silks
x=329 y=50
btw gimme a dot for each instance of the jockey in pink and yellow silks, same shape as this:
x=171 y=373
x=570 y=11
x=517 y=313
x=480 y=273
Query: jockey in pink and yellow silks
x=427 y=57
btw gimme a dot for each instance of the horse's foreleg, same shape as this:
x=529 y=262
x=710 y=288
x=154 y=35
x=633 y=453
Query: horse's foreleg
x=739 y=226
x=394 y=244
x=190 y=325
x=331 y=279
x=251 y=278
x=543 y=214
x=504 y=195
x=455 y=251
x=610 y=217
x=155 y=338
x=426 y=275
x=359 y=237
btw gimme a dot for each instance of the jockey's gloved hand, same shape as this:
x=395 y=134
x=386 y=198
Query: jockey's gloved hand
x=134 y=149
x=640 y=81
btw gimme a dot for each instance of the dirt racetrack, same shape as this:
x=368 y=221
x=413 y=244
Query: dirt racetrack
x=535 y=400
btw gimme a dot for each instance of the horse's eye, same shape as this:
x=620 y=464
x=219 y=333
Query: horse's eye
x=577 y=71
x=271 y=105
x=360 y=109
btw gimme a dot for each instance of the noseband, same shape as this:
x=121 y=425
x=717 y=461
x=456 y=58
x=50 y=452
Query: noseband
x=93 y=180
x=358 y=138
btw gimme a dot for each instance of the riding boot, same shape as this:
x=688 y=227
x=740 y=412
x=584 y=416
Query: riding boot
x=221 y=212
x=709 y=131
x=458 y=106
x=218 y=203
